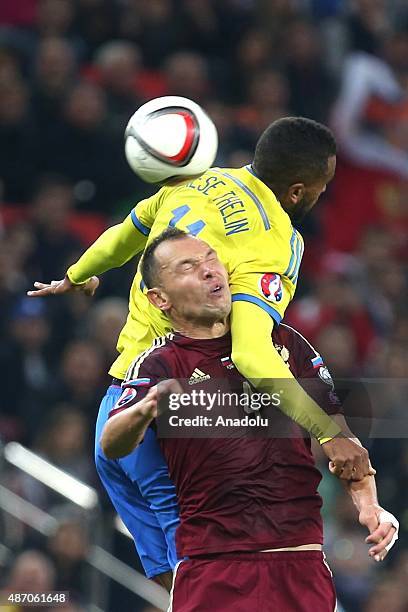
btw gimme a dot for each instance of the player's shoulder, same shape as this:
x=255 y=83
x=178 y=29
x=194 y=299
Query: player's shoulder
x=290 y=337
x=155 y=360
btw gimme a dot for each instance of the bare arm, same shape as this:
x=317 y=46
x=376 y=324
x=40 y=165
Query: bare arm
x=382 y=525
x=126 y=429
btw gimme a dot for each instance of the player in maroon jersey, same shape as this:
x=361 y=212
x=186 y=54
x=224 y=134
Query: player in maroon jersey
x=249 y=509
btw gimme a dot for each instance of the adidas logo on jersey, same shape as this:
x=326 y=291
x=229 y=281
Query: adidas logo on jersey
x=198 y=376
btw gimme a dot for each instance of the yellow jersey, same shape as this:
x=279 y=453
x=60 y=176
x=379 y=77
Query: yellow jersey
x=237 y=215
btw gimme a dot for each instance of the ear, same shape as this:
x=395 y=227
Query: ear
x=296 y=192
x=159 y=299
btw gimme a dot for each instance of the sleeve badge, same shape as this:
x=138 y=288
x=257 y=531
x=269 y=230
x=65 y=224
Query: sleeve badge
x=270 y=287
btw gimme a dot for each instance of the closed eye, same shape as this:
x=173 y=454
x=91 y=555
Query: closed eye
x=186 y=265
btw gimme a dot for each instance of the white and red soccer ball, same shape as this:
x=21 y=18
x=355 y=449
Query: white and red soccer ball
x=170 y=137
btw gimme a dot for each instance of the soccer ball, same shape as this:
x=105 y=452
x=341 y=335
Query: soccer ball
x=170 y=137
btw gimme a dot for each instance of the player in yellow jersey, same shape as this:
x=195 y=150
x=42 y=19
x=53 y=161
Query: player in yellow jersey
x=246 y=215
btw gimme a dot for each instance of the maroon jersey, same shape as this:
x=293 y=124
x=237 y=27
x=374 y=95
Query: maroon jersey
x=237 y=492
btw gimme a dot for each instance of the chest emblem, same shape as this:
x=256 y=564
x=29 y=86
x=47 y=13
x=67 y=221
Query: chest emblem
x=198 y=376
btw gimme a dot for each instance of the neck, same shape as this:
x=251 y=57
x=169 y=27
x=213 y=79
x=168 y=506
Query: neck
x=278 y=193
x=202 y=330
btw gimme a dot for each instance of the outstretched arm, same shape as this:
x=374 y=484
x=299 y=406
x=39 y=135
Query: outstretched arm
x=116 y=246
x=258 y=361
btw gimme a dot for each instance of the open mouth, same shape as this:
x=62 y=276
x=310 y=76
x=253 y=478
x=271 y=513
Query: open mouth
x=216 y=289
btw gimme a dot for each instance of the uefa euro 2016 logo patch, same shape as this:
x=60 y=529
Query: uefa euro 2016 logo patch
x=270 y=286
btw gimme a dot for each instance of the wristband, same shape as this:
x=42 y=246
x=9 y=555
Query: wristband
x=387 y=517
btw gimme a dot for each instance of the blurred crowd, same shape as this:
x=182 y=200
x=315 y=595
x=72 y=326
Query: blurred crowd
x=71 y=74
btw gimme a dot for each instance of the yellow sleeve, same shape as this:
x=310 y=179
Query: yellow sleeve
x=270 y=291
x=259 y=275
x=119 y=243
x=259 y=362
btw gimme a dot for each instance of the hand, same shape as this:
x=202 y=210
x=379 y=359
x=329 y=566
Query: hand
x=64 y=286
x=147 y=407
x=348 y=459
x=166 y=388
x=383 y=528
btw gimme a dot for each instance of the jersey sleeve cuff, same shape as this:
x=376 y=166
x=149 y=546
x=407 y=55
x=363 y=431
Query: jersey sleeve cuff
x=71 y=276
x=138 y=224
x=246 y=297
x=329 y=434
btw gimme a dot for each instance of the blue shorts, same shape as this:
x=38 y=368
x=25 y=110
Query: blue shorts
x=142 y=494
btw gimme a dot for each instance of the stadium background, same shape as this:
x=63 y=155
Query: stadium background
x=71 y=74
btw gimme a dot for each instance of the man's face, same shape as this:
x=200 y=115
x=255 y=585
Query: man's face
x=312 y=193
x=192 y=281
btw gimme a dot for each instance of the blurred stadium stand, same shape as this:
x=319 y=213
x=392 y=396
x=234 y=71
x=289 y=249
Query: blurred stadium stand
x=71 y=74
x=75 y=537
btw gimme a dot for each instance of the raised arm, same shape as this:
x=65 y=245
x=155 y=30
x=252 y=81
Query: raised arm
x=116 y=246
x=257 y=359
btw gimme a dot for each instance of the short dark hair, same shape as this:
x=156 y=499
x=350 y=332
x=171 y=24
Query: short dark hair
x=293 y=150
x=148 y=264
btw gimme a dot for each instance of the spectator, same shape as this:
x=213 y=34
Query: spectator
x=153 y=26
x=86 y=152
x=365 y=78
x=15 y=246
x=54 y=17
x=64 y=441
x=19 y=152
x=367 y=25
x=68 y=548
x=81 y=376
x=343 y=361
x=52 y=205
x=96 y=22
x=119 y=64
x=26 y=361
x=31 y=572
x=187 y=75
x=106 y=319
x=200 y=28
x=335 y=300
x=54 y=75
x=307 y=73
x=254 y=53
x=268 y=99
